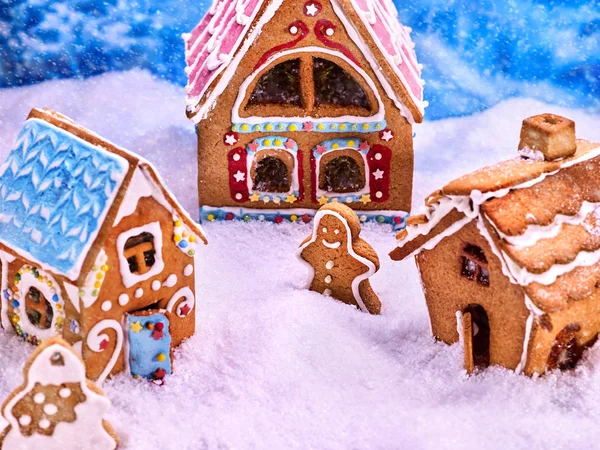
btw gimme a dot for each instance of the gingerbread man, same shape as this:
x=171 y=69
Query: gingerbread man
x=340 y=261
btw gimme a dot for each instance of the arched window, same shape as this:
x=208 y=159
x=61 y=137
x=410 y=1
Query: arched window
x=475 y=265
x=335 y=86
x=140 y=253
x=280 y=85
x=271 y=175
x=38 y=309
x=311 y=85
x=342 y=172
x=567 y=350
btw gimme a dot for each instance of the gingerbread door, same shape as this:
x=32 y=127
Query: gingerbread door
x=149 y=344
x=476 y=335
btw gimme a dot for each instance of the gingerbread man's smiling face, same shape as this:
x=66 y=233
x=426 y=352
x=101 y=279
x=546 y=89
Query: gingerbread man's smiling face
x=331 y=232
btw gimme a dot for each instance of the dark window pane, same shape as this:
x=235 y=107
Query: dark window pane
x=139 y=239
x=133 y=265
x=35 y=295
x=469 y=268
x=335 y=86
x=476 y=252
x=271 y=175
x=38 y=309
x=343 y=174
x=483 y=277
x=149 y=257
x=280 y=85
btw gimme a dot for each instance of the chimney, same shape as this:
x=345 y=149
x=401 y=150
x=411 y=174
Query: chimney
x=549 y=135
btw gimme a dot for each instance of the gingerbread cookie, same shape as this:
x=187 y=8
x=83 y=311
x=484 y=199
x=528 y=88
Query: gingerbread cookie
x=57 y=407
x=340 y=261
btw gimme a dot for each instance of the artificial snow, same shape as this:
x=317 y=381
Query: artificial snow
x=273 y=365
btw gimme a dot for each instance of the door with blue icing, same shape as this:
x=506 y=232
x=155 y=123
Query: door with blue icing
x=149 y=344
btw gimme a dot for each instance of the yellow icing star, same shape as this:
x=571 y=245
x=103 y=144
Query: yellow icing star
x=366 y=198
x=291 y=198
x=136 y=327
x=255 y=197
x=323 y=200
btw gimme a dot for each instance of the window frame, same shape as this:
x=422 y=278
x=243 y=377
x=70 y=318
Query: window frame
x=130 y=279
x=480 y=264
x=253 y=116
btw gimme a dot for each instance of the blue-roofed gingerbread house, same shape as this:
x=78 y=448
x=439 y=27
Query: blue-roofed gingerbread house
x=95 y=249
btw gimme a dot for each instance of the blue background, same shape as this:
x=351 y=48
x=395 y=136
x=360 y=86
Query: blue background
x=475 y=53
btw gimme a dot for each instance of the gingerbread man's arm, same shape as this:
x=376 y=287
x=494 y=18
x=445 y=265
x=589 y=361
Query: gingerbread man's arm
x=364 y=249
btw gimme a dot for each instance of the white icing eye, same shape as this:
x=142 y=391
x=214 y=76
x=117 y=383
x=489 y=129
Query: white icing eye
x=324 y=230
x=50 y=409
x=39 y=398
x=25 y=420
x=294 y=30
x=337 y=231
x=65 y=392
x=330 y=31
x=44 y=423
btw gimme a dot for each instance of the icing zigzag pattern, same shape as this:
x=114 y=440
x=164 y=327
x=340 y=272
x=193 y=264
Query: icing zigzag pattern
x=54 y=195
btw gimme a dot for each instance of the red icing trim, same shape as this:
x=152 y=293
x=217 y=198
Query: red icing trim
x=313 y=176
x=303 y=33
x=320 y=31
x=299 y=161
x=238 y=189
x=379 y=160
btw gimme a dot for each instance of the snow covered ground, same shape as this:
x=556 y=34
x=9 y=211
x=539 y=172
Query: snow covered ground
x=275 y=366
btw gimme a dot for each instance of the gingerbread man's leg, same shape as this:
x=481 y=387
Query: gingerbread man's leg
x=369 y=297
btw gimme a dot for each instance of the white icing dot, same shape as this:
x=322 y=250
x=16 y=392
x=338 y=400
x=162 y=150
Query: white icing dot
x=188 y=270
x=363 y=218
x=39 y=398
x=328 y=279
x=261 y=217
x=329 y=265
x=330 y=31
x=106 y=306
x=378 y=194
x=171 y=280
x=123 y=299
x=324 y=230
x=337 y=231
x=348 y=199
x=236 y=157
x=293 y=30
x=44 y=423
x=25 y=420
x=266 y=199
x=238 y=196
x=378 y=156
x=138 y=292
x=327 y=292
x=156 y=285
x=65 y=392
x=50 y=409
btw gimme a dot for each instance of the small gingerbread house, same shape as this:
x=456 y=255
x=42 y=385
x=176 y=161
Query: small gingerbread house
x=509 y=255
x=95 y=249
x=301 y=103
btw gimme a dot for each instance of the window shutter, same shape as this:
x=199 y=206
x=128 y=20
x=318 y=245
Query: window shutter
x=379 y=160
x=238 y=162
x=300 y=166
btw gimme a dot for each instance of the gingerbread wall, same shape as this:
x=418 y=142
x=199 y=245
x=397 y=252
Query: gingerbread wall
x=114 y=299
x=214 y=176
x=447 y=291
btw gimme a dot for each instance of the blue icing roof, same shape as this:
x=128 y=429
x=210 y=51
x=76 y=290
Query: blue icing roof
x=55 y=191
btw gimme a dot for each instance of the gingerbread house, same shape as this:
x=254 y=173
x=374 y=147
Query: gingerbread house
x=95 y=249
x=301 y=103
x=509 y=255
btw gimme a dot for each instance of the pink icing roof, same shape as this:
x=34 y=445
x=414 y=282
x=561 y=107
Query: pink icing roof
x=210 y=47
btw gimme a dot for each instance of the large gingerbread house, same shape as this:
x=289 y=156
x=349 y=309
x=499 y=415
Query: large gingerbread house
x=509 y=255
x=301 y=103
x=95 y=249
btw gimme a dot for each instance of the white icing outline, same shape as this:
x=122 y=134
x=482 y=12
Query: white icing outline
x=190 y=300
x=359 y=279
x=88 y=425
x=131 y=279
x=257 y=120
x=5 y=260
x=94 y=338
x=28 y=280
x=363 y=154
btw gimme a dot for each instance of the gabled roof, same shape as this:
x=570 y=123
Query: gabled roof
x=57 y=187
x=542 y=220
x=231 y=26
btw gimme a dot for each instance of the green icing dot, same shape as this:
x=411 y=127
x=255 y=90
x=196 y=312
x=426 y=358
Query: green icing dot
x=192 y=252
x=380 y=219
x=95 y=293
x=247 y=218
x=18 y=277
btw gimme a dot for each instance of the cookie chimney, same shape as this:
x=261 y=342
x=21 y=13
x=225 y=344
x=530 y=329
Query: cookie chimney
x=551 y=135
